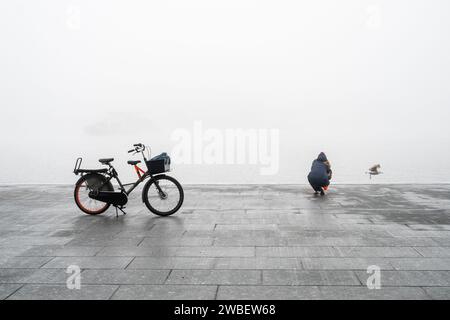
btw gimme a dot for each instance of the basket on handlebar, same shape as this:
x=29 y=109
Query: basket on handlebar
x=158 y=164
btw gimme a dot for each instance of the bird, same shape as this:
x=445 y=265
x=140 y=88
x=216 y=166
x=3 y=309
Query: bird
x=374 y=170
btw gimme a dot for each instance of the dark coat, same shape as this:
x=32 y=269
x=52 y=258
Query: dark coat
x=320 y=174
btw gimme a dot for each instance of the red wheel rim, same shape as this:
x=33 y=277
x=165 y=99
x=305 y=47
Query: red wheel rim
x=82 y=205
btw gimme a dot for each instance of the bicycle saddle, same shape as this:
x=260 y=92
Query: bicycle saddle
x=106 y=160
x=134 y=162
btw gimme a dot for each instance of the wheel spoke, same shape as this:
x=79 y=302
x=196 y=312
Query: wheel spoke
x=85 y=202
x=168 y=200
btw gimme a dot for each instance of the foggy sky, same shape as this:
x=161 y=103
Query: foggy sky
x=364 y=81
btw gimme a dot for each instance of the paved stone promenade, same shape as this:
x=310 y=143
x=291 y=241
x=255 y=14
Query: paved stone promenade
x=230 y=242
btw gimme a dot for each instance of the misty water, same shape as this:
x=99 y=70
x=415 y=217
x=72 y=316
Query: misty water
x=364 y=82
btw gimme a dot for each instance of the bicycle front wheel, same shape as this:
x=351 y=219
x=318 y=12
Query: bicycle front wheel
x=163 y=195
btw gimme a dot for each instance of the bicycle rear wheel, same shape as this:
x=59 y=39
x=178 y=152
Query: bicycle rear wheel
x=163 y=195
x=86 y=184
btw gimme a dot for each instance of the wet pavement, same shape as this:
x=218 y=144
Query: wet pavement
x=230 y=242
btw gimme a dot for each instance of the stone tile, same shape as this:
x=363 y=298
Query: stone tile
x=444 y=242
x=430 y=227
x=409 y=278
x=8 y=289
x=106 y=242
x=368 y=252
x=405 y=242
x=33 y=241
x=172 y=263
x=165 y=292
x=421 y=263
x=434 y=252
x=150 y=251
x=257 y=263
x=61 y=251
x=438 y=293
x=141 y=251
x=7 y=251
x=249 y=241
x=421 y=233
x=323 y=242
x=218 y=277
x=61 y=292
x=90 y=262
x=244 y=227
x=148 y=233
x=121 y=277
x=15 y=275
x=182 y=241
x=47 y=276
x=363 y=293
x=342 y=234
x=190 y=224
x=344 y=263
x=23 y=262
x=268 y=293
x=234 y=234
x=309 y=278
x=216 y=251
x=296 y=252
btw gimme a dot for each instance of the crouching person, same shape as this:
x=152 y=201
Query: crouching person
x=320 y=174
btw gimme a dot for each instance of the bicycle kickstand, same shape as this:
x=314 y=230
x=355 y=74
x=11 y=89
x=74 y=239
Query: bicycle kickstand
x=117 y=211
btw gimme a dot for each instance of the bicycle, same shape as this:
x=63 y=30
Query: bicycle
x=94 y=193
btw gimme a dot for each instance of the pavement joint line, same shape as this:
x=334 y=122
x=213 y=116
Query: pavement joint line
x=41 y=266
x=128 y=264
x=216 y=293
x=168 y=275
x=112 y=295
x=356 y=276
x=415 y=249
x=102 y=248
x=11 y=294
x=426 y=293
x=50 y=258
x=139 y=243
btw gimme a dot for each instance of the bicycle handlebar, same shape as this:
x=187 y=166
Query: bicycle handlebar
x=138 y=147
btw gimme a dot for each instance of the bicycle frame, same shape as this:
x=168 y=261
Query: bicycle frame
x=111 y=173
x=143 y=175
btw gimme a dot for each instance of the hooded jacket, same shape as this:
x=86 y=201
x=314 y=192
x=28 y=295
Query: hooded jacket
x=320 y=171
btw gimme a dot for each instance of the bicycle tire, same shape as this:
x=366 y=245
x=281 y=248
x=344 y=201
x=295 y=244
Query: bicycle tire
x=146 y=200
x=94 y=179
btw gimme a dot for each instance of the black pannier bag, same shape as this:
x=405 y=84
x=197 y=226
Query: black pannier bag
x=159 y=164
